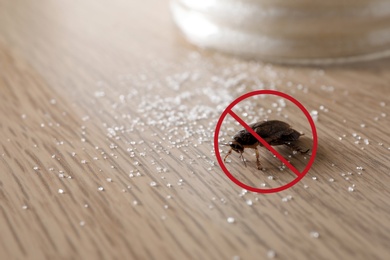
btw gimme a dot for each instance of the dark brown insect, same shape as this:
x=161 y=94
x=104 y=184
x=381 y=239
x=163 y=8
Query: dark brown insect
x=274 y=132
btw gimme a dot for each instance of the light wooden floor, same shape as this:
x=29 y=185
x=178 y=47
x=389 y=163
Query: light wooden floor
x=107 y=128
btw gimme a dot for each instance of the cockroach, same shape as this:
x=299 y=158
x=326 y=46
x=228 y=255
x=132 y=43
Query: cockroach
x=274 y=132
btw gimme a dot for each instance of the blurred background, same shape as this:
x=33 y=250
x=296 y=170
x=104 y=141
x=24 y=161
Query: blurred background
x=298 y=31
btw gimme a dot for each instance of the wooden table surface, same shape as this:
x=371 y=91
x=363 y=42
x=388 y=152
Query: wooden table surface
x=107 y=128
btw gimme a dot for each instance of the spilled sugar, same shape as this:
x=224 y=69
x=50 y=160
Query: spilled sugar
x=175 y=117
x=271 y=254
x=314 y=234
x=230 y=220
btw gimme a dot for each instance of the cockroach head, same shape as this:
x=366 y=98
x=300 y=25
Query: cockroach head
x=237 y=147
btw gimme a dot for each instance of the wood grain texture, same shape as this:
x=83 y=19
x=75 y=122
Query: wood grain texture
x=106 y=102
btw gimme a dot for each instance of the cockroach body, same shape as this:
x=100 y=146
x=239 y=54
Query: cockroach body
x=274 y=132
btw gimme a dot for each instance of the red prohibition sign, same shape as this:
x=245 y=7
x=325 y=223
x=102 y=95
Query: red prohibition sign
x=229 y=111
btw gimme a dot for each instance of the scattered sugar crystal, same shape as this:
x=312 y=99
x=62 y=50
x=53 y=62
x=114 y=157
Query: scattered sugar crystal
x=249 y=202
x=287 y=198
x=314 y=234
x=314 y=115
x=351 y=189
x=109 y=179
x=230 y=220
x=61 y=191
x=153 y=184
x=101 y=188
x=314 y=178
x=24 y=207
x=85 y=118
x=100 y=93
x=243 y=192
x=271 y=254
x=135 y=203
x=331 y=180
x=36 y=168
x=82 y=223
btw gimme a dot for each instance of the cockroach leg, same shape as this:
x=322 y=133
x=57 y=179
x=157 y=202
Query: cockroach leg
x=297 y=148
x=230 y=151
x=242 y=158
x=257 y=159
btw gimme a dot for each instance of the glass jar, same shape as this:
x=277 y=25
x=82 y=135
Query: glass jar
x=288 y=31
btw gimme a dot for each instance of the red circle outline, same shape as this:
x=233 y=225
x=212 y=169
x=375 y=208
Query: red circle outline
x=266 y=92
